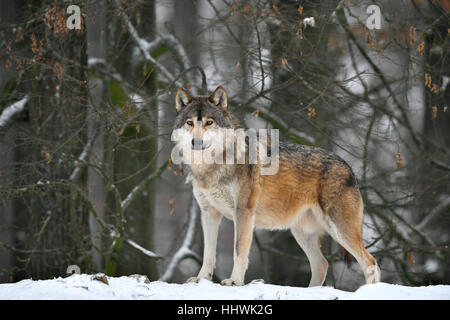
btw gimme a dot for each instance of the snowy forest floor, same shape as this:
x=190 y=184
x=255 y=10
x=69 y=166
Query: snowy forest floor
x=91 y=287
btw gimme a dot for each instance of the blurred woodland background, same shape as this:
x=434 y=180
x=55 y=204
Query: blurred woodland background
x=86 y=116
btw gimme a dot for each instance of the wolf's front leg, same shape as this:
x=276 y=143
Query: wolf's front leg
x=243 y=234
x=210 y=224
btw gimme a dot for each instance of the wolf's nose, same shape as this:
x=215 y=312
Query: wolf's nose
x=197 y=143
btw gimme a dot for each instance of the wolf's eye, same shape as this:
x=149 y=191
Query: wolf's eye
x=190 y=123
x=209 y=122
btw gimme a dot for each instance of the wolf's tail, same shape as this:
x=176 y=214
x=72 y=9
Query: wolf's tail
x=348 y=258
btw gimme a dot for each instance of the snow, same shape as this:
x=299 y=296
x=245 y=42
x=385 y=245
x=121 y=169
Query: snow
x=142 y=249
x=445 y=81
x=93 y=61
x=94 y=287
x=11 y=111
x=309 y=22
x=432 y=265
x=385 y=291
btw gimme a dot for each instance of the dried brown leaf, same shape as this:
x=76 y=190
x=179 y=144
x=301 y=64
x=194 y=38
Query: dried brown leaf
x=46 y=155
x=399 y=159
x=255 y=113
x=19 y=36
x=421 y=46
x=171 y=210
x=427 y=80
x=411 y=259
x=412 y=36
x=434 y=110
x=435 y=89
x=311 y=113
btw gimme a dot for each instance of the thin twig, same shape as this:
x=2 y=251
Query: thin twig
x=142 y=185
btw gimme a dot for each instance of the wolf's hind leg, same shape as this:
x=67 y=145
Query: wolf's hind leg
x=211 y=219
x=352 y=242
x=344 y=224
x=310 y=244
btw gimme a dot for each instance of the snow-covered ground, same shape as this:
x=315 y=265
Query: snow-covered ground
x=83 y=286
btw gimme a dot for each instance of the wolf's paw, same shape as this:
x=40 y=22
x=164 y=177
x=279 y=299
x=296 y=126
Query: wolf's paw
x=231 y=282
x=372 y=274
x=193 y=280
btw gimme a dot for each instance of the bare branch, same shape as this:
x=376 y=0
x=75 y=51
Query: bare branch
x=9 y=112
x=142 y=45
x=81 y=161
x=142 y=185
x=434 y=213
x=148 y=253
x=185 y=250
x=172 y=43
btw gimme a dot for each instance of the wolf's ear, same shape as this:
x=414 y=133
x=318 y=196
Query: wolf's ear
x=219 y=98
x=182 y=99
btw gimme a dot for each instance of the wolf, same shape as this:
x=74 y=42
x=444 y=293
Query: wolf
x=313 y=192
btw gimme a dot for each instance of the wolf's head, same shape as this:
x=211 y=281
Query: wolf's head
x=201 y=120
x=205 y=132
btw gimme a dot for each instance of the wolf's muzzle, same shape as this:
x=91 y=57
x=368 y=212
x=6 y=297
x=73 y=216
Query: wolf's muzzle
x=197 y=144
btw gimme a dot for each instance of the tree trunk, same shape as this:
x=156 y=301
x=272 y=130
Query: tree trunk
x=96 y=23
x=53 y=218
x=133 y=156
x=8 y=14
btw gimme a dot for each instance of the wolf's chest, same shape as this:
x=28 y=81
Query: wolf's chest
x=223 y=197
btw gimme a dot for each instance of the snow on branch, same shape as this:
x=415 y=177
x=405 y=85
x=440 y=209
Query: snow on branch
x=148 y=253
x=110 y=229
x=173 y=43
x=9 y=112
x=309 y=22
x=81 y=160
x=185 y=250
x=142 y=45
